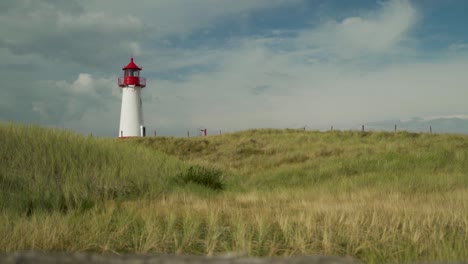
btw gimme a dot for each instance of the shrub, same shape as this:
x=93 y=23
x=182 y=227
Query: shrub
x=208 y=177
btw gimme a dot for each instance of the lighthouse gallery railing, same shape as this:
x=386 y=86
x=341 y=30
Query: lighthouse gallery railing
x=131 y=80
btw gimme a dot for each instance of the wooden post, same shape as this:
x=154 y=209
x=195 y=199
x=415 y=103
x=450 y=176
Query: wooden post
x=362 y=128
x=430 y=129
x=155 y=133
x=331 y=129
x=395 y=128
x=220 y=131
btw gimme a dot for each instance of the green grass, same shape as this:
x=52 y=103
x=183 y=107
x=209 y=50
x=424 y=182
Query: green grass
x=378 y=197
x=51 y=170
x=331 y=161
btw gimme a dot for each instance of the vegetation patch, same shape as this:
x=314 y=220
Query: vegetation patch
x=54 y=170
x=207 y=177
x=379 y=197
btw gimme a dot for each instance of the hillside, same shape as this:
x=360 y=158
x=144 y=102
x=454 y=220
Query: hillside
x=378 y=197
x=52 y=170
x=329 y=161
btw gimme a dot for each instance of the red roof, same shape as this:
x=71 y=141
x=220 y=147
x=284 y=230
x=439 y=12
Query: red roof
x=131 y=65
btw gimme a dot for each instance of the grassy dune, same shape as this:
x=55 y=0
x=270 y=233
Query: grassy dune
x=50 y=170
x=378 y=197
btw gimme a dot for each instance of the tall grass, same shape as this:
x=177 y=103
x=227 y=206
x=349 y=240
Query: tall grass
x=45 y=169
x=378 y=197
x=369 y=226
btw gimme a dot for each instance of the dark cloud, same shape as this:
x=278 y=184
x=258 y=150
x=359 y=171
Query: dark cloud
x=28 y=6
x=63 y=31
x=260 y=89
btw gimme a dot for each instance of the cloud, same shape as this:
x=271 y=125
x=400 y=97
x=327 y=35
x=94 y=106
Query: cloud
x=58 y=102
x=92 y=33
x=428 y=118
x=375 y=32
x=46 y=45
x=256 y=84
x=99 y=21
x=458 y=47
x=318 y=95
x=66 y=32
x=342 y=72
x=168 y=17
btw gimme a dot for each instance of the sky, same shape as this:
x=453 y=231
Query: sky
x=233 y=65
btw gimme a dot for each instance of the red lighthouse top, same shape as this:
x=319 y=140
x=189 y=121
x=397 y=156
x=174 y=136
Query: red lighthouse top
x=131 y=65
x=132 y=76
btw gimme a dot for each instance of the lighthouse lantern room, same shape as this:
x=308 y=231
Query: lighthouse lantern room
x=131 y=114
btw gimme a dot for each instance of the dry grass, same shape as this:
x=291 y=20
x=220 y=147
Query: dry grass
x=378 y=197
x=366 y=225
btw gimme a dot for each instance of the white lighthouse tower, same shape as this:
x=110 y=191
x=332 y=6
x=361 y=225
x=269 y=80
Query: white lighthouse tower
x=131 y=114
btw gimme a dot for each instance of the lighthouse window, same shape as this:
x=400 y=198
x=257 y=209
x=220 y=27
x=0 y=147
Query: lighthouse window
x=131 y=72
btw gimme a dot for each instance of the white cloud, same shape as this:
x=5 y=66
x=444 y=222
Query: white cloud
x=98 y=21
x=257 y=85
x=165 y=17
x=294 y=94
x=60 y=102
x=135 y=48
x=458 y=47
x=375 y=32
x=429 y=118
x=83 y=84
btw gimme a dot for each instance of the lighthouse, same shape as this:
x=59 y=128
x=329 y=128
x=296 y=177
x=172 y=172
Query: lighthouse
x=131 y=113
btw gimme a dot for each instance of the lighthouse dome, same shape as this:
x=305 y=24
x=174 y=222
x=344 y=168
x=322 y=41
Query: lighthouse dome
x=131 y=66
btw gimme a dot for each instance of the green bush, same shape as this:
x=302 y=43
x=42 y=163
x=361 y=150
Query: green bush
x=208 y=177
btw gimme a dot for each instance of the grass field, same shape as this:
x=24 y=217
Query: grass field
x=378 y=197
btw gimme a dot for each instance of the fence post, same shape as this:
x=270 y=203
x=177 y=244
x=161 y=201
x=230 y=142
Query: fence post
x=188 y=133
x=220 y=131
x=331 y=129
x=362 y=128
x=395 y=128
x=430 y=129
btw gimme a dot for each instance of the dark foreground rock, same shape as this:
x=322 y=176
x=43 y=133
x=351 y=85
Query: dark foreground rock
x=81 y=258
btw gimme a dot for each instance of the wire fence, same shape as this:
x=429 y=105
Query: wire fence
x=203 y=132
